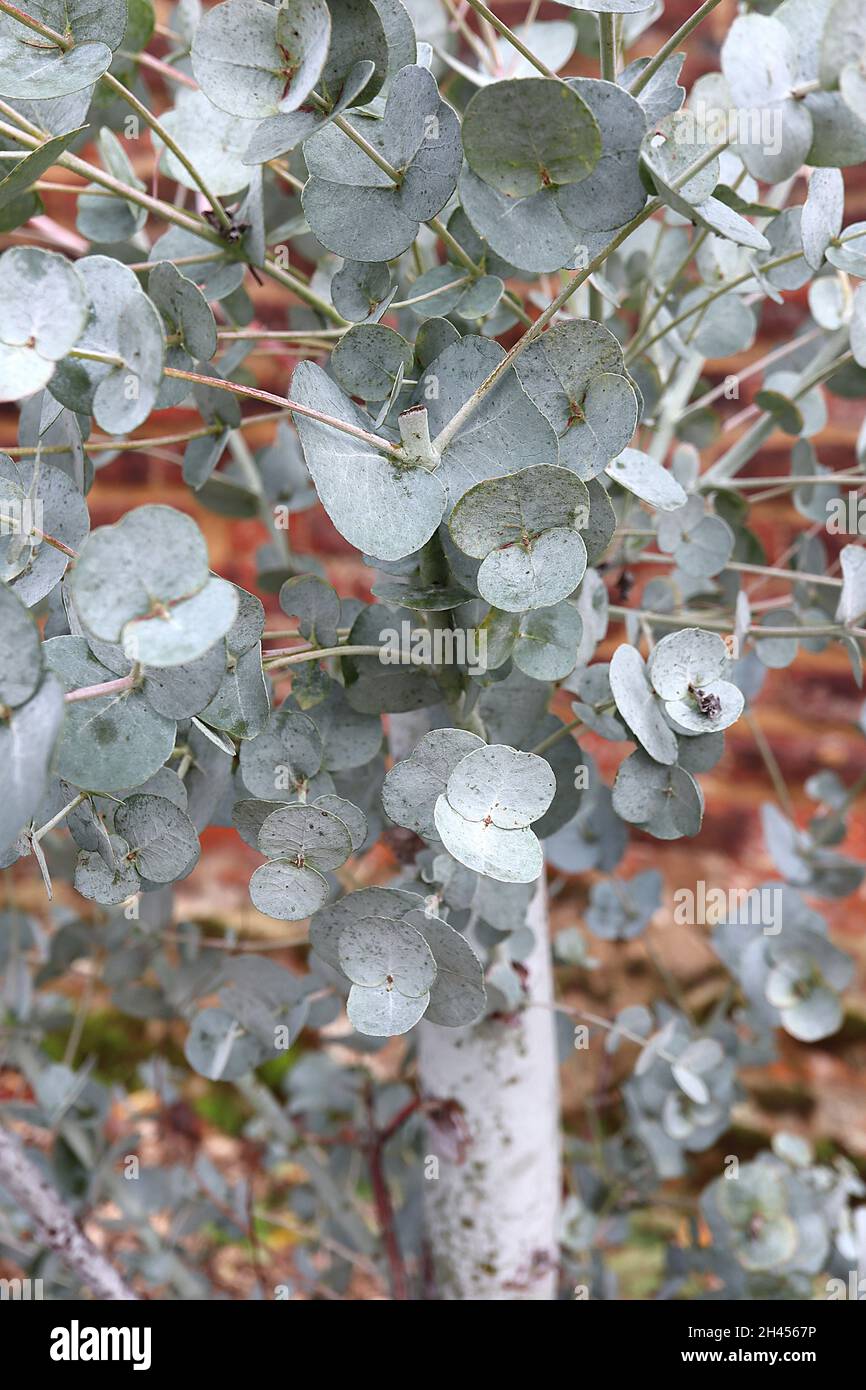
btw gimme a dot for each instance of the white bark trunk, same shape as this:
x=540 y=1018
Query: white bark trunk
x=25 y=1184
x=492 y=1220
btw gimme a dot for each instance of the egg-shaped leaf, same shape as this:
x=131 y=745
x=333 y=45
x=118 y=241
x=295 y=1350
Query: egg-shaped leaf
x=45 y=306
x=613 y=193
x=308 y=834
x=499 y=785
x=28 y=735
x=252 y=59
x=218 y=1047
x=520 y=136
x=381 y=1012
x=642 y=475
x=369 y=359
x=329 y=923
x=30 y=71
x=185 y=308
x=413 y=784
x=665 y=801
x=37 y=501
x=357 y=209
x=376 y=951
x=546 y=642
x=161 y=837
x=282 y=762
x=457 y=996
x=511 y=856
x=684 y=659
x=145 y=582
x=361 y=490
x=20 y=651
x=122 y=323
x=287 y=891
x=110 y=742
x=639 y=705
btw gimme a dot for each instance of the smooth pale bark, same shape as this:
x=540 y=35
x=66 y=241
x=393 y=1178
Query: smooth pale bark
x=57 y=1226
x=492 y=1220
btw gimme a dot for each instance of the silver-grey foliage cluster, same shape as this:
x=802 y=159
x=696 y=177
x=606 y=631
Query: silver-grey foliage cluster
x=615 y=231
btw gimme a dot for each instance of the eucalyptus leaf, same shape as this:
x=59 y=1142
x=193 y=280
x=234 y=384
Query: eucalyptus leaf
x=643 y=476
x=287 y=891
x=351 y=204
x=665 y=801
x=511 y=856
x=524 y=526
x=28 y=735
x=123 y=324
x=112 y=741
x=45 y=306
x=360 y=488
x=574 y=373
x=252 y=59
x=30 y=73
x=28 y=563
x=166 y=608
x=308 y=834
x=521 y=136
x=160 y=836
x=639 y=706
x=413 y=785
x=20 y=651
x=499 y=786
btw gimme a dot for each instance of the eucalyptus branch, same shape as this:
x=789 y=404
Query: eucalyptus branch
x=159 y=441
x=638 y=346
x=746 y=447
x=61 y=816
x=656 y=302
x=743 y=567
x=510 y=37
x=557 y=734
x=167 y=212
x=243 y=457
x=92 y=692
x=698 y=619
x=783 y=482
x=771 y=763
x=671 y=45
x=319 y=653
x=218 y=383
x=431 y=294
x=281 y=335
x=607 y=46
x=768 y=359
x=13 y=523
x=57 y=1225
x=131 y=100
x=456 y=423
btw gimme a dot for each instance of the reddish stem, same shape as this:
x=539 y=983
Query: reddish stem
x=90 y=692
x=385 y=1208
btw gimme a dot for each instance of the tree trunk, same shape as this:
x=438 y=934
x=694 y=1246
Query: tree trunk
x=492 y=1219
x=57 y=1225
